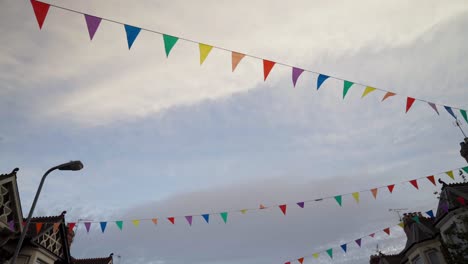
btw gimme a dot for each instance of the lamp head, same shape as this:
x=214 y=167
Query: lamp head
x=72 y=166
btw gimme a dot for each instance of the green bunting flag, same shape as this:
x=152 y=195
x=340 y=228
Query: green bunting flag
x=416 y=219
x=330 y=252
x=465 y=169
x=169 y=42
x=463 y=113
x=119 y=224
x=224 y=215
x=338 y=199
x=346 y=86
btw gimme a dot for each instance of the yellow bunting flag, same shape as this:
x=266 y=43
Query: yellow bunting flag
x=204 y=51
x=367 y=91
x=402 y=225
x=315 y=255
x=236 y=58
x=136 y=223
x=450 y=174
x=356 y=196
x=243 y=211
x=155 y=221
x=374 y=192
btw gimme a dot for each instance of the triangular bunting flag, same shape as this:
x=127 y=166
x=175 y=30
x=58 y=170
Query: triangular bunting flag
x=38 y=227
x=387 y=95
x=450 y=111
x=40 y=10
x=431 y=179
x=236 y=57
x=92 y=23
x=414 y=183
x=338 y=199
x=11 y=225
x=300 y=204
x=330 y=252
x=119 y=224
x=320 y=79
x=169 y=42
x=155 y=221
x=450 y=174
x=171 y=219
x=444 y=207
x=430 y=213
x=402 y=224
x=243 y=211
x=87 y=226
x=346 y=86
x=267 y=66
x=56 y=227
x=463 y=113
x=387 y=230
x=374 y=192
x=136 y=222
x=409 y=103
x=262 y=206
x=465 y=169
x=372 y=235
x=204 y=51
x=224 y=216
x=296 y=72
x=416 y=219
x=434 y=106
x=206 y=217
x=344 y=247
x=71 y=226
x=283 y=208
x=287 y=262
x=461 y=200
x=189 y=219
x=301 y=260
x=356 y=196
x=103 y=226
x=390 y=187
x=132 y=33
x=358 y=241
x=315 y=255
x=367 y=91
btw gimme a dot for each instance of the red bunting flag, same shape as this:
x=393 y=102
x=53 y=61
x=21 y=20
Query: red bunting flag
x=71 y=226
x=390 y=187
x=40 y=10
x=287 y=262
x=461 y=200
x=301 y=260
x=283 y=208
x=431 y=179
x=414 y=183
x=372 y=235
x=38 y=228
x=267 y=66
x=387 y=230
x=374 y=192
x=387 y=95
x=409 y=103
x=171 y=219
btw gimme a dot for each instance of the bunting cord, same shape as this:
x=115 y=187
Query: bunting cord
x=245 y=210
x=228 y=50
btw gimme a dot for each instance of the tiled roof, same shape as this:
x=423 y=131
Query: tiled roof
x=11 y=174
x=418 y=232
x=107 y=260
x=47 y=222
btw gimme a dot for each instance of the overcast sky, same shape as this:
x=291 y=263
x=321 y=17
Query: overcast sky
x=162 y=137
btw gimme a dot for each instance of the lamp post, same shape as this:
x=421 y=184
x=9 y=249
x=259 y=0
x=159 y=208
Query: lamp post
x=71 y=166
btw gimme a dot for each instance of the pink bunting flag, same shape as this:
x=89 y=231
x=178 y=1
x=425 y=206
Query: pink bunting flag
x=189 y=219
x=40 y=10
x=87 y=226
x=262 y=206
x=267 y=66
x=296 y=72
x=409 y=103
x=92 y=23
x=283 y=208
x=434 y=106
x=414 y=183
x=372 y=235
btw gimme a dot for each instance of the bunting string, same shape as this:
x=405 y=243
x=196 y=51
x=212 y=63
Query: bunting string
x=358 y=241
x=41 y=9
x=282 y=207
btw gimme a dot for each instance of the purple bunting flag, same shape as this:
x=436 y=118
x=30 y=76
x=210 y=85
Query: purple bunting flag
x=189 y=219
x=434 y=106
x=358 y=241
x=87 y=226
x=300 y=204
x=296 y=72
x=93 y=23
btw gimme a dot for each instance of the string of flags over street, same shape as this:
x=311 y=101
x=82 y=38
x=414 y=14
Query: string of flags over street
x=92 y=22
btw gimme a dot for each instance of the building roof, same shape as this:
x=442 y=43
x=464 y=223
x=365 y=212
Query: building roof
x=390 y=259
x=107 y=260
x=449 y=198
x=418 y=232
x=47 y=223
x=8 y=175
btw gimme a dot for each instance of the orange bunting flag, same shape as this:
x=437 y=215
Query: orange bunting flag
x=155 y=221
x=431 y=179
x=301 y=260
x=387 y=95
x=262 y=206
x=40 y=10
x=387 y=230
x=283 y=208
x=172 y=220
x=38 y=227
x=374 y=192
x=56 y=227
x=414 y=183
x=390 y=187
x=409 y=103
x=450 y=174
x=267 y=66
x=236 y=58
x=204 y=51
x=356 y=196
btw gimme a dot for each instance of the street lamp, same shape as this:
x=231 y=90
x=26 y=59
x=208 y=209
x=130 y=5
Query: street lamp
x=71 y=166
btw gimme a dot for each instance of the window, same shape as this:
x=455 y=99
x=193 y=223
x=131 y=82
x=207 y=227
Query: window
x=417 y=260
x=39 y=261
